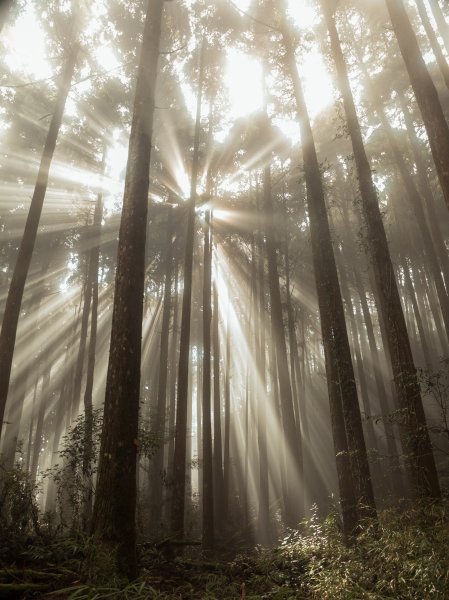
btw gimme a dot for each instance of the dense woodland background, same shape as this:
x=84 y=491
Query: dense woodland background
x=224 y=280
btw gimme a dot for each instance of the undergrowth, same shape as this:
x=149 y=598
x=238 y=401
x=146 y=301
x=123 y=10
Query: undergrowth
x=403 y=558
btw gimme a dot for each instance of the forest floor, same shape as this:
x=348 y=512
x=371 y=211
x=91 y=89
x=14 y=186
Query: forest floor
x=405 y=557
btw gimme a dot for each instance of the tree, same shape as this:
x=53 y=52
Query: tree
x=350 y=450
x=113 y=524
x=208 y=495
x=425 y=92
x=23 y=260
x=179 y=460
x=415 y=437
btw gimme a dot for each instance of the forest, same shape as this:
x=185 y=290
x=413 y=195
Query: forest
x=224 y=299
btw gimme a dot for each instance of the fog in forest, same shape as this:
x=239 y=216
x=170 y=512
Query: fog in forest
x=224 y=298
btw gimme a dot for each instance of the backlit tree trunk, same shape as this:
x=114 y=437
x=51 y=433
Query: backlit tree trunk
x=413 y=425
x=115 y=501
x=353 y=471
x=16 y=288
x=425 y=92
x=180 y=450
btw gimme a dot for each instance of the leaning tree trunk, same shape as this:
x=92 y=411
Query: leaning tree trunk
x=115 y=501
x=425 y=92
x=17 y=286
x=349 y=444
x=415 y=437
x=434 y=43
x=441 y=22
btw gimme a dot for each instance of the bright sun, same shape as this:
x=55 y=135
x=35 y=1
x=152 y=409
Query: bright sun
x=243 y=79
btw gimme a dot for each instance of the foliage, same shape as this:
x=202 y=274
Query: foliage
x=435 y=385
x=73 y=476
x=19 y=514
x=402 y=558
x=405 y=557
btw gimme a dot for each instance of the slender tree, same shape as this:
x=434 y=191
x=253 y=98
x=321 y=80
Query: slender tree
x=180 y=450
x=416 y=439
x=23 y=260
x=208 y=496
x=350 y=449
x=157 y=461
x=425 y=92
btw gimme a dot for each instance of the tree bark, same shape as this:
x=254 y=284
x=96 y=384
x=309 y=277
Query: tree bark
x=115 y=501
x=416 y=441
x=354 y=479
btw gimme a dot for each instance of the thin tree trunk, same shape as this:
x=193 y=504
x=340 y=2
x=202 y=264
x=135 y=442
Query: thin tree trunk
x=354 y=479
x=94 y=260
x=434 y=43
x=416 y=441
x=294 y=490
x=443 y=27
x=180 y=450
x=263 y=518
x=44 y=403
x=426 y=191
x=227 y=415
x=208 y=495
x=218 y=448
x=425 y=92
x=77 y=382
x=157 y=461
x=17 y=286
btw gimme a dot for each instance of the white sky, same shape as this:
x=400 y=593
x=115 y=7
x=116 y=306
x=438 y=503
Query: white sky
x=242 y=77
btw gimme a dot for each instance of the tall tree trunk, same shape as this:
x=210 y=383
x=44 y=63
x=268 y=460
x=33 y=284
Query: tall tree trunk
x=294 y=490
x=173 y=373
x=415 y=201
x=434 y=43
x=94 y=260
x=425 y=92
x=416 y=441
x=44 y=403
x=208 y=495
x=160 y=426
x=16 y=288
x=180 y=450
x=441 y=22
x=115 y=501
x=218 y=444
x=426 y=191
x=87 y=296
x=263 y=518
x=11 y=432
x=354 y=477
x=227 y=415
